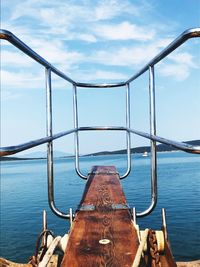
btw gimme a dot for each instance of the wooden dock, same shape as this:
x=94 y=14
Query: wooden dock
x=102 y=233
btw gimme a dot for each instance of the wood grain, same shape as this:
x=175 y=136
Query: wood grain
x=167 y=260
x=103 y=191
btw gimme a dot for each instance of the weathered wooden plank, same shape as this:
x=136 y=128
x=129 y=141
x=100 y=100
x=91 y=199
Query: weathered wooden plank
x=7 y=263
x=189 y=264
x=102 y=233
x=167 y=260
x=53 y=262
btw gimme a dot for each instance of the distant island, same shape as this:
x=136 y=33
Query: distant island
x=141 y=149
x=37 y=155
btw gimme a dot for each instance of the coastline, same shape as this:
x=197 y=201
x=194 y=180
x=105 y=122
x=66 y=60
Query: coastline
x=138 y=150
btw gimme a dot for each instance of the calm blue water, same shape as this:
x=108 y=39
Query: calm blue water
x=24 y=196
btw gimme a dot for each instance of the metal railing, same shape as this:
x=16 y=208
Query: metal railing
x=188 y=34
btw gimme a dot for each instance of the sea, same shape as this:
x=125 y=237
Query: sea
x=24 y=197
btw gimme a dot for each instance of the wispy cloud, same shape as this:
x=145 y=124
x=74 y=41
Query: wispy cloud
x=94 y=41
x=15 y=59
x=61 y=25
x=74 y=20
x=21 y=80
x=178 y=71
x=129 y=55
x=183 y=58
x=100 y=75
x=54 y=52
x=123 y=31
x=179 y=65
x=64 y=12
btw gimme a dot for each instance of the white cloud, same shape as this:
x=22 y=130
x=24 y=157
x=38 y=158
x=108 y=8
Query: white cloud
x=109 y=9
x=128 y=55
x=177 y=71
x=183 y=58
x=178 y=66
x=90 y=21
x=15 y=59
x=86 y=37
x=72 y=20
x=68 y=11
x=56 y=53
x=100 y=75
x=22 y=80
x=123 y=31
x=26 y=80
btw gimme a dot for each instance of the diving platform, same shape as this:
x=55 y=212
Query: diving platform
x=102 y=233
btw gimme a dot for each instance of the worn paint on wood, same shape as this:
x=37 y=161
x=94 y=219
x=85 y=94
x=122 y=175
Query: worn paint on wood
x=53 y=262
x=189 y=264
x=7 y=263
x=167 y=260
x=104 y=234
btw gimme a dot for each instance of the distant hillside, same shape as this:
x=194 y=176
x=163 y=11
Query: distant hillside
x=142 y=149
x=36 y=155
x=15 y=158
x=43 y=154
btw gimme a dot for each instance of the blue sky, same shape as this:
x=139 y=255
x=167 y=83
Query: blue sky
x=99 y=41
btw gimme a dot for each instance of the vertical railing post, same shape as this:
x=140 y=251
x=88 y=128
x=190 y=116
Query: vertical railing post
x=49 y=130
x=152 y=117
x=49 y=133
x=76 y=125
x=128 y=134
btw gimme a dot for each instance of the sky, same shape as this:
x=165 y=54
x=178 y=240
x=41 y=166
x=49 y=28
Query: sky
x=99 y=41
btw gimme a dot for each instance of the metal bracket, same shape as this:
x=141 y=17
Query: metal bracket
x=120 y=207
x=91 y=207
x=103 y=173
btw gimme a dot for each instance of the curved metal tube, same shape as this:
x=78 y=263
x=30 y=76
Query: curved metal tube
x=128 y=136
x=179 y=145
x=101 y=85
x=10 y=150
x=182 y=146
x=9 y=36
x=76 y=136
x=49 y=129
x=128 y=139
x=152 y=121
x=190 y=33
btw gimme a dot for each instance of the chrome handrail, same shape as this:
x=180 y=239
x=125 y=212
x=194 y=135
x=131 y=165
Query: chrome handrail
x=190 y=33
x=182 y=38
x=10 y=37
x=11 y=150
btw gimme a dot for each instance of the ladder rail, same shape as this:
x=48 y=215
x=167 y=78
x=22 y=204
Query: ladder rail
x=11 y=150
x=152 y=136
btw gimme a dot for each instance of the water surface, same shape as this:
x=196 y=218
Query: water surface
x=24 y=196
